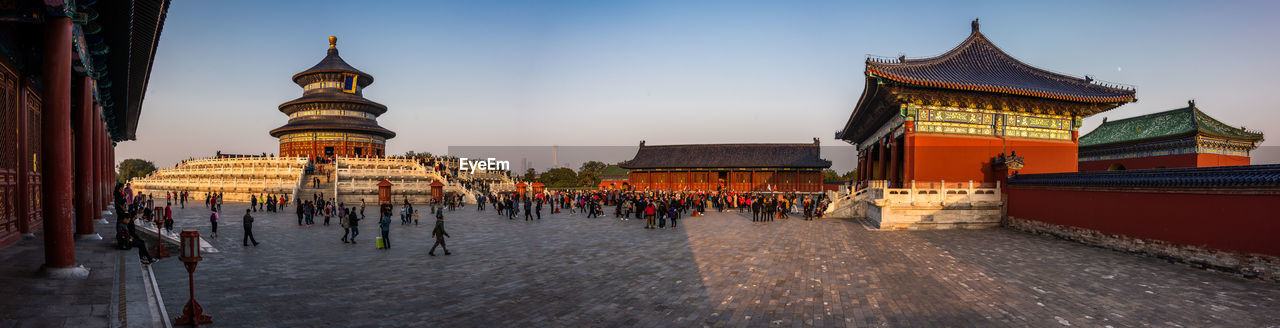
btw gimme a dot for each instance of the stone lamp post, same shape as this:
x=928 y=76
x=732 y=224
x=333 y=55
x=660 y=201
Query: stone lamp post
x=192 y=314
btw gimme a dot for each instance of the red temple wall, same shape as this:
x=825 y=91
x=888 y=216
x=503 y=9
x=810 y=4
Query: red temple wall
x=1206 y=160
x=639 y=180
x=1167 y=161
x=659 y=180
x=613 y=183
x=1141 y=163
x=1236 y=222
x=963 y=158
x=20 y=155
x=738 y=181
x=679 y=180
x=340 y=148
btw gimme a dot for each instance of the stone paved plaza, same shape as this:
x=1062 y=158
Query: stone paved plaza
x=717 y=270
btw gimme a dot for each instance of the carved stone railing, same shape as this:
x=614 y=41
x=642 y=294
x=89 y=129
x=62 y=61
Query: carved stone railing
x=940 y=192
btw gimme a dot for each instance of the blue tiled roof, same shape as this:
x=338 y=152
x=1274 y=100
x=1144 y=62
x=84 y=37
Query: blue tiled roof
x=1244 y=176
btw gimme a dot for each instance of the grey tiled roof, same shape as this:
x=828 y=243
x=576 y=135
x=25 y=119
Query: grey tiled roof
x=978 y=65
x=728 y=156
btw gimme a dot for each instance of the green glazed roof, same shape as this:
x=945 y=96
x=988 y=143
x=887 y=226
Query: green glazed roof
x=1171 y=123
x=614 y=171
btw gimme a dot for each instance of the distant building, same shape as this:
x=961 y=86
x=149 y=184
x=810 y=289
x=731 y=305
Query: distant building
x=1183 y=137
x=728 y=167
x=949 y=117
x=332 y=118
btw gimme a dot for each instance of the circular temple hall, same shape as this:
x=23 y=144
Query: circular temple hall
x=332 y=118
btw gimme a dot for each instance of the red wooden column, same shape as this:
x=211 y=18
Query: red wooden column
x=881 y=171
x=99 y=194
x=908 y=151
x=111 y=162
x=101 y=153
x=59 y=248
x=893 y=163
x=83 y=189
x=864 y=172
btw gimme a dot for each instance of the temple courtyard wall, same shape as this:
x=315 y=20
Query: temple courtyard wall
x=1233 y=230
x=1219 y=218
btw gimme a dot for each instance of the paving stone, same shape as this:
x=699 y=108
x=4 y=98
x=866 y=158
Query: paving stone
x=716 y=270
x=29 y=300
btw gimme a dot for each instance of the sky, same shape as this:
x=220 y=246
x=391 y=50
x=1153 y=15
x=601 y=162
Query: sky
x=613 y=73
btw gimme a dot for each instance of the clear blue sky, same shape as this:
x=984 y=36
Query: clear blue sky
x=616 y=72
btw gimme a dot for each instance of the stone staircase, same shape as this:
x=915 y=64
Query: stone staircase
x=309 y=188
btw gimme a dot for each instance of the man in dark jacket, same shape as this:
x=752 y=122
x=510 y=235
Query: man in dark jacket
x=439 y=234
x=248 y=229
x=354 y=221
x=300 y=210
x=528 y=209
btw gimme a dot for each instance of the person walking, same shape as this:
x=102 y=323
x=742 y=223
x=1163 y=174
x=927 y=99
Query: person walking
x=355 y=225
x=328 y=212
x=248 y=229
x=510 y=206
x=755 y=209
x=385 y=224
x=213 y=222
x=439 y=234
x=168 y=219
x=648 y=216
x=300 y=210
x=674 y=215
x=345 y=222
x=528 y=209
x=413 y=213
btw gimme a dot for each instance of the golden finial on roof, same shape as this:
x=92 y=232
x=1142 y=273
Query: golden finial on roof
x=333 y=42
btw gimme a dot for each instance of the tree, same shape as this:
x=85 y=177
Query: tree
x=851 y=175
x=134 y=168
x=592 y=166
x=559 y=178
x=589 y=173
x=830 y=175
x=530 y=175
x=417 y=155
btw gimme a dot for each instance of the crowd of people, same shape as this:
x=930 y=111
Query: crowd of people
x=655 y=207
x=658 y=209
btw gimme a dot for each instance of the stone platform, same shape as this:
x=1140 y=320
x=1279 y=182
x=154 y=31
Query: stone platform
x=113 y=295
x=716 y=270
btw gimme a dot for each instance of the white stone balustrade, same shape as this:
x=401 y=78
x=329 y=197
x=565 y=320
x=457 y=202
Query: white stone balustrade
x=235 y=178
